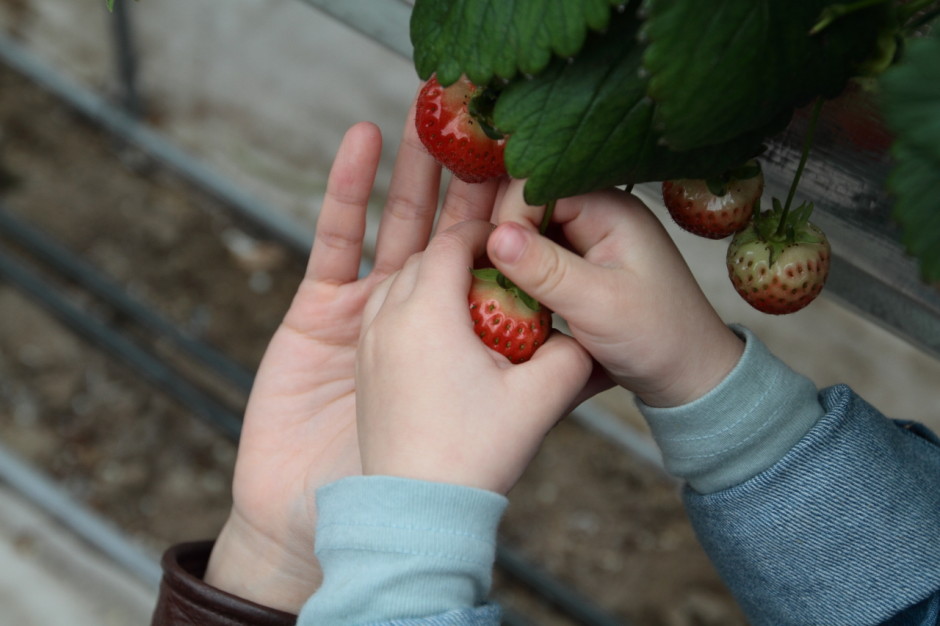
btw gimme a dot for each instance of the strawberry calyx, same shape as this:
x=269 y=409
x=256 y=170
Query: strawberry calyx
x=480 y=107
x=493 y=275
x=780 y=228
x=718 y=185
x=466 y=143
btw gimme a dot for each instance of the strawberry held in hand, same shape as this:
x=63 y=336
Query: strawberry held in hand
x=780 y=262
x=715 y=208
x=452 y=124
x=506 y=319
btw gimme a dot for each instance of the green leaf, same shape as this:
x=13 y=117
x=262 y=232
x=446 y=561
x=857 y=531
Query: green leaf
x=721 y=68
x=485 y=39
x=911 y=96
x=587 y=124
x=110 y=5
x=914 y=183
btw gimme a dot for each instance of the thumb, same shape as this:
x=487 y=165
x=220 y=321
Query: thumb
x=568 y=365
x=554 y=276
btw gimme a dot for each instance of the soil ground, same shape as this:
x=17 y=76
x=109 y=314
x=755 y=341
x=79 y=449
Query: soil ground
x=608 y=525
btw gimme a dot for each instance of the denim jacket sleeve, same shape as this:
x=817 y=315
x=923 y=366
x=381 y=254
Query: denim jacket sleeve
x=814 y=507
x=844 y=529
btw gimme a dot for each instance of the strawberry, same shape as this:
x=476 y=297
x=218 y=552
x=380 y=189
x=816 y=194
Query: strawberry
x=715 y=208
x=780 y=262
x=452 y=124
x=507 y=319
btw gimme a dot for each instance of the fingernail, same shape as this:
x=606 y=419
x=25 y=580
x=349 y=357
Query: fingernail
x=508 y=243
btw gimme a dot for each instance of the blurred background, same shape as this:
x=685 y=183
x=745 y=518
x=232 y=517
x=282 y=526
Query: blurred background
x=161 y=168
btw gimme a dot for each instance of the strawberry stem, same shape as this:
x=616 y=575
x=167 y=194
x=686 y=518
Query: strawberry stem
x=547 y=217
x=807 y=145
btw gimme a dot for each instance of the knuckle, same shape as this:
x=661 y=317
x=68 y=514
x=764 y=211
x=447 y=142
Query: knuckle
x=551 y=272
x=403 y=207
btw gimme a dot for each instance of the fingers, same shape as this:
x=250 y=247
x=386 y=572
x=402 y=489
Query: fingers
x=337 y=244
x=440 y=272
x=587 y=220
x=469 y=201
x=543 y=269
x=445 y=264
x=568 y=366
x=412 y=202
x=376 y=301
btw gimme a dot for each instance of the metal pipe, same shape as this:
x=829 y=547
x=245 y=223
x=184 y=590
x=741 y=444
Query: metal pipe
x=98 y=532
x=554 y=592
x=126 y=60
x=118 y=122
x=151 y=368
x=66 y=264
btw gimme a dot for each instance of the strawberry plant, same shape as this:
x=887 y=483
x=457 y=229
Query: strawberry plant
x=590 y=94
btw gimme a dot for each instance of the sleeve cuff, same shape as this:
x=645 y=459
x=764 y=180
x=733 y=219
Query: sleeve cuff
x=186 y=599
x=741 y=427
x=410 y=548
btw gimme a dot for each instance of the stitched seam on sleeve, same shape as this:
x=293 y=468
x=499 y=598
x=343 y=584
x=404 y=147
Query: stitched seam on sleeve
x=733 y=424
x=421 y=529
x=721 y=451
x=367 y=548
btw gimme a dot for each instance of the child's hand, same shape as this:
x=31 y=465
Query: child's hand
x=627 y=295
x=433 y=402
x=300 y=424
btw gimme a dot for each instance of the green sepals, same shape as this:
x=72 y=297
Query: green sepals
x=481 y=108
x=778 y=228
x=493 y=275
x=718 y=186
x=746 y=171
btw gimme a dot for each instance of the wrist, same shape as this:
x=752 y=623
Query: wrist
x=743 y=426
x=699 y=368
x=256 y=567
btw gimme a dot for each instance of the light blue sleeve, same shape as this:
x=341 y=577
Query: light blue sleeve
x=742 y=426
x=814 y=507
x=404 y=553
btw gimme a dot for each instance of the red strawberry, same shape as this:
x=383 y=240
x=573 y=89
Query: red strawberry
x=452 y=125
x=779 y=269
x=715 y=208
x=506 y=318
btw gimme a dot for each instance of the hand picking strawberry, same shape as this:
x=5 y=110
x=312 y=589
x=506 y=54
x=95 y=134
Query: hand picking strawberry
x=715 y=208
x=623 y=288
x=453 y=125
x=433 y=402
